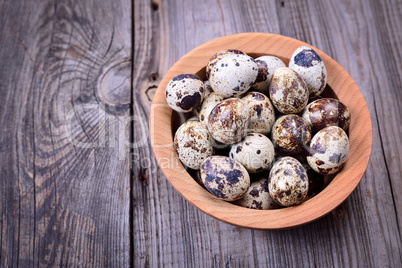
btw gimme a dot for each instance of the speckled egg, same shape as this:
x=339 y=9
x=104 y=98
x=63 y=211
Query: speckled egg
x=262 y=112
x=257 y=196
x=229 y=121
x=288 y=182
x=322 y=113
x=193 y=144
x=208 y=88
x=185 y=92
x=308 y=64
x=220 y=55
x=266 y=67
x=208 y=104
x=291 y=133
x=233 y=75
x=224 y=177
x=329 y=149
x=256 y=152
x=288 y=91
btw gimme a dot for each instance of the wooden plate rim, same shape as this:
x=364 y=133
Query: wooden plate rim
x=360 y=135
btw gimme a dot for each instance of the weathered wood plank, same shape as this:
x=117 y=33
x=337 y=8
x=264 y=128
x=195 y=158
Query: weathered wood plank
x=353 y=39
x=62 y=203
x=387 y=97
x=168 y=231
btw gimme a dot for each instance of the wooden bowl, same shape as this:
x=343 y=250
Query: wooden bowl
x=340 y=85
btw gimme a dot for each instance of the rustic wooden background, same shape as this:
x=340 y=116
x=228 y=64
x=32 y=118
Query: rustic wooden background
x=73 y=193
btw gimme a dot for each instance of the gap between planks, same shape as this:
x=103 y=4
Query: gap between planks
x=131 y=172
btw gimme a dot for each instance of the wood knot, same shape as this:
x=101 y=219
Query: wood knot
x=152 y=85
x=114 y=84
x=154 y=6
x=153 y=77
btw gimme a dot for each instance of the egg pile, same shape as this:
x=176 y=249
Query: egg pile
x=262 y=136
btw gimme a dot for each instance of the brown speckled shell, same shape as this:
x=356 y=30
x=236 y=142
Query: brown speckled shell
x=233 y=75
x=257 y=196
x=308 y=64
x=255 y=152
x=185 y=92
x=193 y=144
x=290 y=134
x=262 y=72
x=288 y=92
x=229 y=121
x=322 y=113
x=218 y=56
x=288 y=182
x=329 y=150
x=266 y=67
x=209 y=103
x=224 y=177
x=262 y=112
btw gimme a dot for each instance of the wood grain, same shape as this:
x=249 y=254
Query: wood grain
x=63 y=203
x=60 y=204
x=358 y=227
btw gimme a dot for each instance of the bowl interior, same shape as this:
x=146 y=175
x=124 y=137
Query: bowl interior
x=164 y=122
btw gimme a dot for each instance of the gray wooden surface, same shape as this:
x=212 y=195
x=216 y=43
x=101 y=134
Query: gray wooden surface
x=76 y=84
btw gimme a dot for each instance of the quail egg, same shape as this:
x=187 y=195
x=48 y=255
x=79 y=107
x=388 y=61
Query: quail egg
x=233 y=75
x=209 y=103
x=322 y=113
x=266 y=67
x=224 y=177
x=308 y=64
x=257 y=196
x=262 y=112
x=229 y=121
x=185 y=92
x=193 y=144
x=256 y=152
x=220 y=55
x=288 y=91
x=288 y=182
x=291 y=133
x=329 y=149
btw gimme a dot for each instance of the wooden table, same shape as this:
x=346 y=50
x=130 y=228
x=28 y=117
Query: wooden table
x=76 y=84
